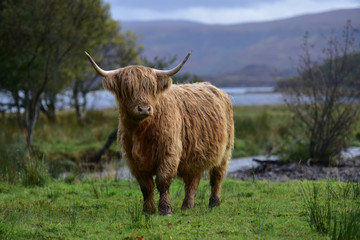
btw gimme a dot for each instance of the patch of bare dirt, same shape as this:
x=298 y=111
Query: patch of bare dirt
x=346 y=170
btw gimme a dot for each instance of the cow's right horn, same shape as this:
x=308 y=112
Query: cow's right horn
x=175 y=69
x=98 y=69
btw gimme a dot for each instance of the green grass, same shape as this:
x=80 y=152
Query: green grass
x=258 y=130
x=35 y=206
x=334 y=209
x=64 y=140
x=107 y=209
x=67 y=138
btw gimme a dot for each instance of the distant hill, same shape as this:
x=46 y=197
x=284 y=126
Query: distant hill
x=241 y=54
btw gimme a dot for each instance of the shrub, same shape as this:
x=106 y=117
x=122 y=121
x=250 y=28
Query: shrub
x=20 y=165
x=11 y=161
x=325 y=94
x=34 y=172
x=294 y=150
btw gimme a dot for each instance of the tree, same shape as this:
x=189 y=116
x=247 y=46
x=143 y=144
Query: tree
x=39 y=41
x=324 y=97
x=116 y=50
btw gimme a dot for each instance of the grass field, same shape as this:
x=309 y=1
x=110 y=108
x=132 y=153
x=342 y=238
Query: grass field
x=256 y=128
x=108 y=209
x=34 y=204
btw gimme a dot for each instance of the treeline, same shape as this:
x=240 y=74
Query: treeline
x=42 y=55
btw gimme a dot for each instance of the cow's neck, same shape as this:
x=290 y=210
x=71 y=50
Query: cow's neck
x=134 y=125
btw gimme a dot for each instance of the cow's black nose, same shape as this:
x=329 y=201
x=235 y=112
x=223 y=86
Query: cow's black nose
x=144 y=110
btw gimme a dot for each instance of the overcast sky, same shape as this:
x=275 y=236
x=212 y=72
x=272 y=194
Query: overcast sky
x=222 y=11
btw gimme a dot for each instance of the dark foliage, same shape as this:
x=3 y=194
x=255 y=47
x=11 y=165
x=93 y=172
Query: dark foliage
x=324 y=97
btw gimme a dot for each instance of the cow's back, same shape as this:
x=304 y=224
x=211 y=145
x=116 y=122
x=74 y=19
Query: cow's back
x=206 y=128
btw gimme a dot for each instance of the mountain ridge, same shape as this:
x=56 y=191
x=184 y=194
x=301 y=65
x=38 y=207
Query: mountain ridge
x=222 y=53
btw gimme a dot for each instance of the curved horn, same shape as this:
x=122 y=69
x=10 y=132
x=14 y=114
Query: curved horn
x=175 y=69
x=98 y=69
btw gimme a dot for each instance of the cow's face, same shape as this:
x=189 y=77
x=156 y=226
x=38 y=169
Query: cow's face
x=137 y=90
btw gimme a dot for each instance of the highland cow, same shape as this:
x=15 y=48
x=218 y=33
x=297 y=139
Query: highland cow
x=168 y=130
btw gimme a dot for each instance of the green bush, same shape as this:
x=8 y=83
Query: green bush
x=324 y=95
x=11 y=161
x=294 y=151
x=18 y=164
x=34 y=172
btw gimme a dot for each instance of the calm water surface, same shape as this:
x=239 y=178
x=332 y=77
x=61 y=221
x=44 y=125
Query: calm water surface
x=240 y=96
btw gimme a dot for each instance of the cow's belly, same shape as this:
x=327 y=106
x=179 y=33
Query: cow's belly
x=198 y=161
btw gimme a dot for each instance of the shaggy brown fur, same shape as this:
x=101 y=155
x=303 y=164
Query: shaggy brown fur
x=170 y=130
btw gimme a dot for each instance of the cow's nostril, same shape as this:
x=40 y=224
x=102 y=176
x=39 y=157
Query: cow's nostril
x=144 y=110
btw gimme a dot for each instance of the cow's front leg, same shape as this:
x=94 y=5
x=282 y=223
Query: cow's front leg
x=163 y=186
x=166 y=171
x=147 y=189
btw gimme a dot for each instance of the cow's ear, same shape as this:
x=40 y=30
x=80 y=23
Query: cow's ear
x=110 y=84
x=163 y=83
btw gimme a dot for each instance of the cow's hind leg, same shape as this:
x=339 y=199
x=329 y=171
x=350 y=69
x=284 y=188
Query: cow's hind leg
x=216 y=178
x=191 y=185
x=147 y=189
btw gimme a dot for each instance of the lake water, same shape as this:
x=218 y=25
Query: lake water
x=240 y=96
x=254 y=96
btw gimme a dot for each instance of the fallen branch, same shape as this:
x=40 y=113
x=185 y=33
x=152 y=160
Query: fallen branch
x=111 y=139
x=268 y=161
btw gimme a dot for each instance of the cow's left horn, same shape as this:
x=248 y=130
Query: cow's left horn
x=98 y=69
x=175 y=69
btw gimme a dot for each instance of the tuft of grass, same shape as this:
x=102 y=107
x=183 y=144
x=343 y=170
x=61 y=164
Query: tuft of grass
x=346 y=225
x=18 y=164
x=138 y=218
x=95 y=190
x=35 y=172
x=12 y=154
x=334 y=211
x=73 y=215
x=319 y=212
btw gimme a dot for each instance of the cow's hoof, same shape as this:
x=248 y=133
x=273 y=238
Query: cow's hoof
x=186 y=206
x=214 y=201
x=165 y=210
x=149 y=211
x=149 y=208
x=169 y=214
x=165 y=213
